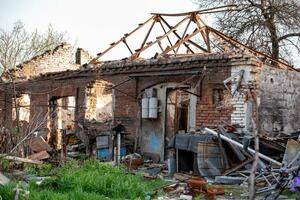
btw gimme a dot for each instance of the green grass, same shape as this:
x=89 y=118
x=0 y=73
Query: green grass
x=7 y=192
x=291 y=195
x=4 y=165
x=39 y=170
x=89 y=180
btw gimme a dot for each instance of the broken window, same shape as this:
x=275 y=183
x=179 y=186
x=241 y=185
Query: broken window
x=99 y=101
x=218 y=96
x=65 y=103
x=62 y=116
x=23 y=105
x=66 y=112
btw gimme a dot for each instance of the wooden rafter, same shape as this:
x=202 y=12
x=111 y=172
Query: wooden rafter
x=121 y=40
x=204 y=33
x=175 y=33
x=163 y=28
x=183 y=34
x=237 y=43
x=214 y=41
x=184 y=40
x=134 y=56
x=203 y=11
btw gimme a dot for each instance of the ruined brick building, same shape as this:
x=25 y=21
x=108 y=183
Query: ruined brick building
x=215 y=81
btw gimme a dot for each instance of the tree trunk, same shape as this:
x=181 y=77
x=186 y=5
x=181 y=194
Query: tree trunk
x=270 y=24
x=274 y=40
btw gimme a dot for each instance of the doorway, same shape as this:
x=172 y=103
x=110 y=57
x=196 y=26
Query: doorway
x=177 y=112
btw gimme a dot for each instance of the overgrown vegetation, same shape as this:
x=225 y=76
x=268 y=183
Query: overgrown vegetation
x=39 y=170
x=88 y=180
x=4 y=165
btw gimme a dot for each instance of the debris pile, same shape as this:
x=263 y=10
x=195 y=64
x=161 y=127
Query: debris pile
x=226 y=158
x=188 y=186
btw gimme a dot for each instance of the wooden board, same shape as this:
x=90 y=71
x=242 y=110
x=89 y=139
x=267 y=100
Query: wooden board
x=39 y=156
x=38 y=144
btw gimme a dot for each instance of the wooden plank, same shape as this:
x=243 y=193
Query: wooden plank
x=119 y=41
x=203 y=11
x=18 y=159
x=233 y=169
x=235 y=43
x=184 y=33
x=39 y=156
x=134 y=56
x=38 y=144
x=176 y=34
x=183 y=40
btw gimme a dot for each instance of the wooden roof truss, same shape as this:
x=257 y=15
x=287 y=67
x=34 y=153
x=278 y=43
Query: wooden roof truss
x=192 y=36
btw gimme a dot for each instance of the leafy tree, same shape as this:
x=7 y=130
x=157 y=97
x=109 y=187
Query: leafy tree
x=270 y=26
x=18 y=45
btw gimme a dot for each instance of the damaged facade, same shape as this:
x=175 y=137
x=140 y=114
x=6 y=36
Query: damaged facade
x=156 y=98
x=191 y=94
x=49 y=105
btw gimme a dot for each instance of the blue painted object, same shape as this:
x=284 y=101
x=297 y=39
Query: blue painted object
x=103 y=154
x=153 y=143
x=123 y=151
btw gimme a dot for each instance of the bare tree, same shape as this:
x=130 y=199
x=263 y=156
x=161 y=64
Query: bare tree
x=18 y=45
x=270 y=26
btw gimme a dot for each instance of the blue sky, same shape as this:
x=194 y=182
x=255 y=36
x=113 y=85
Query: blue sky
x=93 y=24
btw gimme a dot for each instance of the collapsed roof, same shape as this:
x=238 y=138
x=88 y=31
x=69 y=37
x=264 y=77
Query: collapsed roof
x=188 y=36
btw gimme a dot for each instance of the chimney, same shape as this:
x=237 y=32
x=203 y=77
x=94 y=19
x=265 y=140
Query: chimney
x=82 y=57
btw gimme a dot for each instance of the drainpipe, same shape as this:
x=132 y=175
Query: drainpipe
x=118 y=147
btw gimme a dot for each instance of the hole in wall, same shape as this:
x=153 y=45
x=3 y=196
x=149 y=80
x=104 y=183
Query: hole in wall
x=271 y=80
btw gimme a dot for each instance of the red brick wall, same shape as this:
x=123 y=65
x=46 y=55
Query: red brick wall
x=126 y=107
x=5 y=109
x=208 y=112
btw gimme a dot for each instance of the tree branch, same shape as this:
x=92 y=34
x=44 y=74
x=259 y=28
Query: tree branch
x=288 y=35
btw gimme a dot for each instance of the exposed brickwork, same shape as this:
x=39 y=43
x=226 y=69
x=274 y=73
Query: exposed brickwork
x=59 y=59
x=125 y=107
x=208 y=112
x=5 y=108
x=82 y=56
x=99 y=101
x=126 y=97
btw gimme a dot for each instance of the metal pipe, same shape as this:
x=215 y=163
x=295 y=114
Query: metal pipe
x=227 y=139
x=118 y=147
